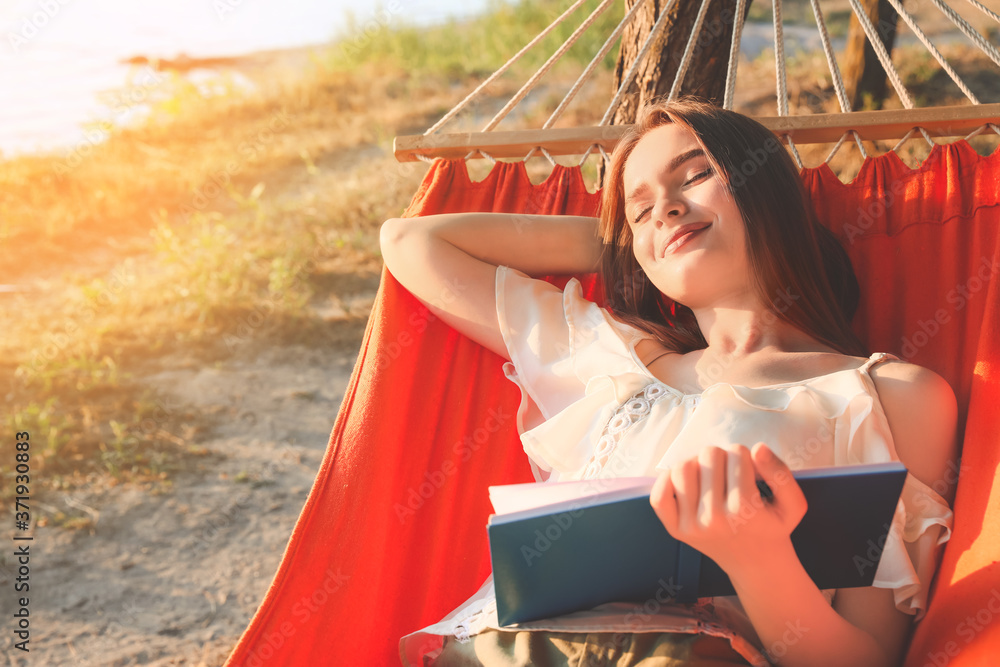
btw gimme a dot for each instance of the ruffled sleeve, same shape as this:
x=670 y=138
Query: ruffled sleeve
x=563 y=349
x=921 y=524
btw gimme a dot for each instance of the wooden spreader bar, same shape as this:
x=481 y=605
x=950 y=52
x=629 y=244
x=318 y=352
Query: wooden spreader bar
x=952 y=121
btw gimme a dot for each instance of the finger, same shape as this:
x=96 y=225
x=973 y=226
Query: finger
x=712 y=499
x=777 y=475
x=664 y=501
x=685 y=478
x=740 y=480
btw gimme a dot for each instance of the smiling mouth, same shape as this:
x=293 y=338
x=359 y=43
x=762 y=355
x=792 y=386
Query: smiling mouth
x=684 y=237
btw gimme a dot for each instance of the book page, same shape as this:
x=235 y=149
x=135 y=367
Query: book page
x=510 y=498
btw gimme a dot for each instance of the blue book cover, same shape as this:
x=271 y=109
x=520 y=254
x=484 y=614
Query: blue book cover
x=611 y=547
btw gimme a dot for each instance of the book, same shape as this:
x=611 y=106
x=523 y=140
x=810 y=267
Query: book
x=567 y=546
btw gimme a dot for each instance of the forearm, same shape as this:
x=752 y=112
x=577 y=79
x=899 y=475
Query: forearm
x=534 y=244
x=449 y=261
x=795 y=623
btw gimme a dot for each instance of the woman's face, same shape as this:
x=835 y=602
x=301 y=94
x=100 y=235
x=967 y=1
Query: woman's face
x=687 y=233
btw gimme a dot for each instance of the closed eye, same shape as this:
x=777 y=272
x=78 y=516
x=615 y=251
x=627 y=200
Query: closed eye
x=642 y=213
x=694 y=179
x=697 y=177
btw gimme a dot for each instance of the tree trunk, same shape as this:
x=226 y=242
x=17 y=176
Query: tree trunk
x=706 y=74
x=864 y=77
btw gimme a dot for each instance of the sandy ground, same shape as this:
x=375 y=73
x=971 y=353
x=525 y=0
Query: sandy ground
x=173 y=579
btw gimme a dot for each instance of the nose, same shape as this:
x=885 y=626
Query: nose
x=669 y=206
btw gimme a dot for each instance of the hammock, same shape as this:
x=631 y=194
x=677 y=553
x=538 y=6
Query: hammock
x=392 y=536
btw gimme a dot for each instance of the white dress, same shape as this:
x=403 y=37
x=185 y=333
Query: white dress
x=591 y=410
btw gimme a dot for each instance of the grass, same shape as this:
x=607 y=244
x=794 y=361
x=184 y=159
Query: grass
x=477 y=47
x=224 y=224
x=202 y=233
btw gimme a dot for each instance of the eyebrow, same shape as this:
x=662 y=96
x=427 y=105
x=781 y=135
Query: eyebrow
x=684 y=157
x=673 y=165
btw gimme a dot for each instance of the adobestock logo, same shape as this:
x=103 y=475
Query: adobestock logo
x=560 y=523
x=958 y=297
x=33 y=24
x=873 y=556
x=666 y=593
x=968 y=628
x=433 y=480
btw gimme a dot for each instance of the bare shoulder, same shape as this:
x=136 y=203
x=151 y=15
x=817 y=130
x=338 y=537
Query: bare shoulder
x=916 y=392
x=922 y=412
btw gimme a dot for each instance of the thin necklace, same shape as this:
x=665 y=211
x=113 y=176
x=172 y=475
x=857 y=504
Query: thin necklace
x=650 y=362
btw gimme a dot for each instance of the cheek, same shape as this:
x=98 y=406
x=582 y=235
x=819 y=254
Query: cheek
x=738 y=237
x=642 y=254
x=641 y=242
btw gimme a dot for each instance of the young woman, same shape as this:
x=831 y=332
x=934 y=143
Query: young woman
x=725 y=354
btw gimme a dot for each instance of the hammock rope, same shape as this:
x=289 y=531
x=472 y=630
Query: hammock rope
x=838 y=81
x=857 y=140
x=808 y=134
x=544 y=152
x=831 y=60
x=983 y=128
x=979 y=5
x=734 y=55
x=503 y=68
x=585 y=75
x=840 y=142
x=969 y=31
x=627 y=79
x=486 y=155
x=883 y=57
x=586 y=154
x=543 y=70
x=675 y=88
x=933 y=50
x=610 y=42
x=781 y=78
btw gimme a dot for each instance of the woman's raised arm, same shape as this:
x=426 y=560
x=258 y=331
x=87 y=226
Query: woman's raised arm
x=449 y=261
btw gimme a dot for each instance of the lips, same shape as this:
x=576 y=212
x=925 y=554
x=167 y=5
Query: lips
x=681 y=235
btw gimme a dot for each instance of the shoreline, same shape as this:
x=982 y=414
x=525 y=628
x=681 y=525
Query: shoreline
x=117 y=92
x=264 y=58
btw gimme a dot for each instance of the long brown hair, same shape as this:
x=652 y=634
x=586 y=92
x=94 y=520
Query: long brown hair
x=794 y=260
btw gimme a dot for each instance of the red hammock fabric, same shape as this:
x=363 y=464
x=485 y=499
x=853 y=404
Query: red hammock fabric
x=392 y=536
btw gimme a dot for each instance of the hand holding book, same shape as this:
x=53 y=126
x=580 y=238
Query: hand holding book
x=565 y=546
x=713 y=503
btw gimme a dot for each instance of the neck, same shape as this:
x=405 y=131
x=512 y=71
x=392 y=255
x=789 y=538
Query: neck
x=738 y=331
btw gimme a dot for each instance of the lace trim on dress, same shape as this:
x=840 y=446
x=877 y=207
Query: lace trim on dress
x=475 y=623
x=632 y=411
